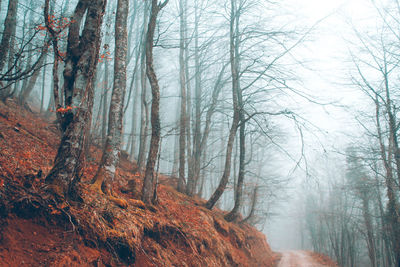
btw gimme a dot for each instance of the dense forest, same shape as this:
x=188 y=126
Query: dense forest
x=206 y=97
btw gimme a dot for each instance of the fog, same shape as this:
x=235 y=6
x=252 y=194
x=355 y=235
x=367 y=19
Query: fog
x=282 y=114
x=325 y=76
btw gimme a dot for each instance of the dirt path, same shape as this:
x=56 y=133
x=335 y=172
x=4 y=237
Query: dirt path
x=297 y=259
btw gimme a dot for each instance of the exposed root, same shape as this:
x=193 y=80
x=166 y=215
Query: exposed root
x=96 y=186
x=137 y=203
x=122 y=203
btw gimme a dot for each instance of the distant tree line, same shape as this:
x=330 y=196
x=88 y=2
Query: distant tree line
x=357 y=216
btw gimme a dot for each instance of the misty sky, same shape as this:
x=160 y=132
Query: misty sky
x=326 y=53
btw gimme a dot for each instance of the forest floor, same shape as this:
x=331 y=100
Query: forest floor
x=179 y=231
x=36 y=231
x=297 y=258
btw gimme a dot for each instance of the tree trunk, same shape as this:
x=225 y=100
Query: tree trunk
x=9 y=28
x=242 y=136
x=134 y=83
x=207 y=128
x=393 y=153
x=134 y=116
x=28 y=63
x=43 y=86
x=55 y=102
x=144 y=106
x=10 y=91
x=370 y=234
x=149 y=178
x=202 y=176
x=393 y=204
x=105 y=105
x=235 y=122
x=79 y=72
x=196 y=157
x=183 y=116
x=50 y=106
x=175 y=163
x=189 y=155
x=26 y=91
x=233 y=215
x=109 y=161
x=253 y=209
x=385 y=246
x=8 y=34
x=135 y=86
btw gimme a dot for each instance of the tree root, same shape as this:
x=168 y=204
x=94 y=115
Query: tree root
x=96 y=186
x=122 y=203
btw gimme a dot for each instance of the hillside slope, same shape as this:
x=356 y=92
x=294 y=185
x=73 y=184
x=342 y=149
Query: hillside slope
x=37 y=231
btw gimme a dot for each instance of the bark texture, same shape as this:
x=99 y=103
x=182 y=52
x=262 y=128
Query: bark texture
x=8 y=32
x=183 y=117
x=144 y=107
x=9 y=28
x=149 y=178
x=79 y=72
x=110 y=158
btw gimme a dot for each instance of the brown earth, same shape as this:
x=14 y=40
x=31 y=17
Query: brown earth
x=37 y=231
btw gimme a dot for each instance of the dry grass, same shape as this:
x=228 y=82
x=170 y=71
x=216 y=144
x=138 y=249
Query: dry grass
x=178 y=231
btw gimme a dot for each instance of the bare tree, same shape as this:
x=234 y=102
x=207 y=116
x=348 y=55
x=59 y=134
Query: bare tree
x=183 y=98
x=235 y=122
x=144 y=110
x=379 y=90
x=80 y=67
x=149 y=178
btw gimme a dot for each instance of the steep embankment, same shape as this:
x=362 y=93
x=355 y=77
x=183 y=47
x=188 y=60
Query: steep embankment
x=36 y=231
